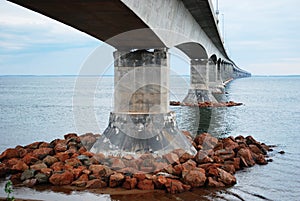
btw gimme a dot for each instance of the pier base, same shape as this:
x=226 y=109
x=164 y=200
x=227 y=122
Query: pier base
x=195 y=96
x=142 y=133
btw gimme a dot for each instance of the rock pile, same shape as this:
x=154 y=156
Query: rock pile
x=68 y=162
x=206 y=104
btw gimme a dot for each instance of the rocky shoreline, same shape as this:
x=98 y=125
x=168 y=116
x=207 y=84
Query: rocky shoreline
x=67 y=162
x=206 y=104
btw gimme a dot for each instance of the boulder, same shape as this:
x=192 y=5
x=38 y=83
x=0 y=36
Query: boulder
x=117 y=164
x=202 y=157
x=146 y=184
x=62 y=156
x=61 y=178
x=116 y=180
x=42 y=152
x=189 y=165
x=260 y=159
x=100 y=170
x=3 y=170
x=229 y=143
x=129 y=183
x=206 y=141
x=47 y=171
x=95 y=183
x=20 y=166
x=174 y=186
x=226 y=178
x=29 y=159
x=30 y=182
x=194 y=178
x=50 y=160
x=9 y=153
x=213 y=183
x=58 y=166
x=246 y=157
x=60 y=147
x=38 y=166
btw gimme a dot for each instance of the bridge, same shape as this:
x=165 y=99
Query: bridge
x=142 y=32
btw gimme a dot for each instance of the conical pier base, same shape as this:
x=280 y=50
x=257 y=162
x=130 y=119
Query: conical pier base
x=195 y=96
x=142 y=133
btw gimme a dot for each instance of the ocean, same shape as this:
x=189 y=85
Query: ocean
x=43 y=108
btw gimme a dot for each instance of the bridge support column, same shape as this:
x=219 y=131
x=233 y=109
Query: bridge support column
x=141 y=121
x=199 y=91
x=215 y=84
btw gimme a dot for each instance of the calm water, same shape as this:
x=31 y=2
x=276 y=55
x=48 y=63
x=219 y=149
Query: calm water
x=43 y=108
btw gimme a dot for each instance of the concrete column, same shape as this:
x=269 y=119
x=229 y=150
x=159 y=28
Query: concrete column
x=141 y=121
x=199 y=91
x=215 y=86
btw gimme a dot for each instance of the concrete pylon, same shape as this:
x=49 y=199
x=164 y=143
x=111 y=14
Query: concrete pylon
x=215 y=81
x=199 y=90
x=141 y=121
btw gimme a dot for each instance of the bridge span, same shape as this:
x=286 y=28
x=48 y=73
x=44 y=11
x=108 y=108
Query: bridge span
x=142 y=32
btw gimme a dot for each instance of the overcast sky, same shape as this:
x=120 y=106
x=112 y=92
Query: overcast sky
x=262 y=37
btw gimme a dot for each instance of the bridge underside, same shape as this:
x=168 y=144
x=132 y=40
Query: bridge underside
x=103 y=20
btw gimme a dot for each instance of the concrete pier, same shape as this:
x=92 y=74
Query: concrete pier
x=141 y=121
x=199 y=91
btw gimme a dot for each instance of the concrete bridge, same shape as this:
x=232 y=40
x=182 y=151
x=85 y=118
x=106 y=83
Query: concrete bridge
x=142 y=32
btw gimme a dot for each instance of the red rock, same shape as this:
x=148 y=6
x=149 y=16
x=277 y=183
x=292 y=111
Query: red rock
x=146 y=184
x=20 y=166
x=206 y=141
x=60 y=147
x=236 y=163
x=217 y=159
x=171 y=158
x=128 y=170
x=139 y=176
x=79 y=183
x=194 y=178
x=81 y=150
x=116 y=180
x=226 y=177
x=70 y=135
x=11 y=162
x=16 y=178
x=22 y=152
x=229 y=143
x=202 y=157
x=185 y=157
x=29 y=159
x=174 y=186
x=64 y=178
x=251 y=140
x=42 y=152
x=225 y=154
x=129 y=183
x=117 y=164
x=50 y=160
x=189 y=165
x=229 y=168
x=77 y=171
x=83 y=177
x=212 y=171
x=74 y=162
x=260 y=159
x=86 y=171
x=96 y=183
x=160 y=181
x=3 y=170
x=253 y=148
x=177 y=169
x=100 y=170
x=46 y=171
x=62 y=156
x=88 y=154
x=219 y=146
x=246 y=156
x=44 y=145
x=214 y=183
x=131 y=164
x=38 y=166
x=9 y=153
x=58 y=166
x=169 y=169
x=34 y=145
